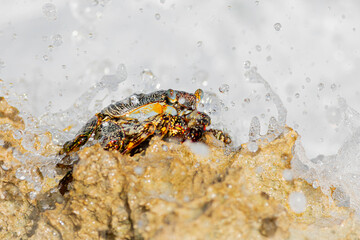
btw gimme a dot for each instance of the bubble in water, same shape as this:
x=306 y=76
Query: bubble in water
x=277 y=26
x=199 y=43
x=268 y=58
x=247 y=64
x=162 y=1
x=320 y=86
x=297 y=202
x=297 y=95
x=157 y=16
x=57 y=40
x=258 y=48
x=49 y=11
x=308 y=80
x=224 y=88
x=46 y=57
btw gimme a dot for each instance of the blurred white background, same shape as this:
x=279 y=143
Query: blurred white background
x=309 y=51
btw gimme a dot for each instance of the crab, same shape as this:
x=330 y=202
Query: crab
x=126 y=124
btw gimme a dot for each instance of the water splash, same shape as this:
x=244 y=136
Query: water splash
x=276 y=126
x=337 y=175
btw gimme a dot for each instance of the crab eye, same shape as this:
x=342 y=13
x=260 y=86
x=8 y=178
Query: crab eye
x=198 y=95
x=171 y=95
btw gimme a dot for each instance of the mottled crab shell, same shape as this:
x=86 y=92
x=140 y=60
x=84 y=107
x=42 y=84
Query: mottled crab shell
x=142 y=106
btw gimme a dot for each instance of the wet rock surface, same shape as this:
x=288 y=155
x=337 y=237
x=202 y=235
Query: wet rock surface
x=170 y=192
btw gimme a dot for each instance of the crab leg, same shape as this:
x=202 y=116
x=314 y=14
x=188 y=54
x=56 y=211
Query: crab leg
x=147 y=130
x=82 y=136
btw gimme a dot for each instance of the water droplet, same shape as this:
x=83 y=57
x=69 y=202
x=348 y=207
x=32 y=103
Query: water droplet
x=157 y=16
x=138 y=170
x=134 y=100
x=49 y=11
x=2 y=64
x=287 y=175
x=277 y=26
x=320 y=86
x=252 y=146
x=17 y=134
x=182 y=100
x=247 y=64
x=199 y=43
x=224 y=88
x=268 y=97
x=333 y=87
x=258 y=48
x=254 y=131
x=57 y=40
x=297 y=202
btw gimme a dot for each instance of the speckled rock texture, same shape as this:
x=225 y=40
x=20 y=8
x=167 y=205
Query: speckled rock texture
x=170 y=192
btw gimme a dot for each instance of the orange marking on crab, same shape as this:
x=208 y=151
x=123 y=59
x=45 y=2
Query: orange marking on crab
x=150 y=110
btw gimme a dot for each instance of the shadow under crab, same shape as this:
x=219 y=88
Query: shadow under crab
x=128 y=125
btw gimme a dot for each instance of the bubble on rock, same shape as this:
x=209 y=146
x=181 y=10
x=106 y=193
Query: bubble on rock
x=224 y=88
x=49 y=11
x=277 y=26
x=252 y=147
x=139 y=170
x=287 y=175
x=165 y=148
x=297 y=202
x=21 y=174
x=199 y=148
x=17 y=134
x=57 y=40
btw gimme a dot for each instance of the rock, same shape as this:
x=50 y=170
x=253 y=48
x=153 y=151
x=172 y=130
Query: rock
x=170 y=192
